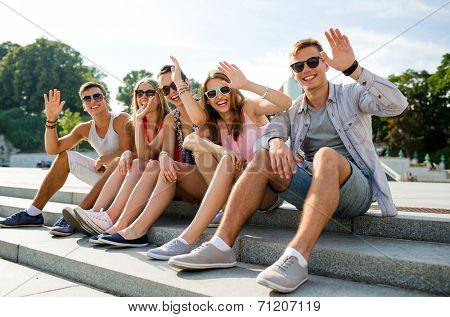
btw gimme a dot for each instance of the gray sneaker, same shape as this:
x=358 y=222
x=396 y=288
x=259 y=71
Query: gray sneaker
x=284 y=276
x=206 y=256
x=71 y=218
x=170 y=249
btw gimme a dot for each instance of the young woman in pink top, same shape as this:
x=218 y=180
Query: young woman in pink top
x=230 y=126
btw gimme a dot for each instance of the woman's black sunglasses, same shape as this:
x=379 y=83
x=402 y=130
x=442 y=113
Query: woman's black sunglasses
x=148 y=93
x=166 y=89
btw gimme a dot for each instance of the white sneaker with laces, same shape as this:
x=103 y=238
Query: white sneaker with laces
x=98 y=221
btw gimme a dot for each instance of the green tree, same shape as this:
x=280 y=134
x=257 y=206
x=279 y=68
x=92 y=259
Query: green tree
x=27 y=72
x=5 y=47
x=24 y=131
x=424 y=126
x=405 y=131
x=68 y=121
x=125 y=93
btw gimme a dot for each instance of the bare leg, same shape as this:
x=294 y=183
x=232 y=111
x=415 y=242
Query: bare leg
x=247 y=194
x=215 y=198
x=123 y=188
x=139 y=197
x=330 y=171
x=268 y=200
x=206 y=163
x=190 y=183
x=53 y=181
x=95 y=192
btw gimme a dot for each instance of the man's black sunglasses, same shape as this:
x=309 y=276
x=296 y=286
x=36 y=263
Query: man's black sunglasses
x=96 y=97
x=312 y=62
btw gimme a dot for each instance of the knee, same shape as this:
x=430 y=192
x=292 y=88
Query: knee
x=62 y=158
x=326 y=159
x=152 y=166
x=226 y=161
x=113 y=164
x=137 y=166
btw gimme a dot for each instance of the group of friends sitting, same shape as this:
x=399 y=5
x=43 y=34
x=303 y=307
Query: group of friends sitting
x=220 y=151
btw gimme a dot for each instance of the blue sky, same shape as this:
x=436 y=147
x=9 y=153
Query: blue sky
x=121 y=36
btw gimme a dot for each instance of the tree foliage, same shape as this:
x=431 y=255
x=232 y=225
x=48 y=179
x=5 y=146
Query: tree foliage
x=424 y=126
x=125 y=93
x=27 y=72
x=68 y=121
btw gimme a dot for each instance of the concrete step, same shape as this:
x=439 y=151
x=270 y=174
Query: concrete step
x=21 y=281
x=407 y=225
x=408 y=264
x=65 y=196
x=52 y=211
x=128 y=272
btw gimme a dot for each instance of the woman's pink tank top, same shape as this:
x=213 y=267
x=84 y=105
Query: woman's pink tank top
x=244 y=144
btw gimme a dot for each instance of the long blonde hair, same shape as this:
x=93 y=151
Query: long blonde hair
x=236 y=104
x=163 y=109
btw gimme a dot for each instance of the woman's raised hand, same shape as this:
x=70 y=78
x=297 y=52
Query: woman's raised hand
x=53 y=104
x=176 y=71
x=236 y=76
x=145 y=108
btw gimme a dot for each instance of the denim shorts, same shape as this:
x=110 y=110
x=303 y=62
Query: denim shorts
x=355 y=194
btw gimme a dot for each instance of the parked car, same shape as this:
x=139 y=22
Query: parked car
x=44 y=164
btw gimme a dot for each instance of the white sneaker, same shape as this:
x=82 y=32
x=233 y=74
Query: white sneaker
x=98 y=221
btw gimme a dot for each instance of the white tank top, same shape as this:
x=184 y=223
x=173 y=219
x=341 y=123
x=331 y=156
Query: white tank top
x=109 y=144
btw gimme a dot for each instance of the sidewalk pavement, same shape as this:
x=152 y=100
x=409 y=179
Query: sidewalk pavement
x=20 y=281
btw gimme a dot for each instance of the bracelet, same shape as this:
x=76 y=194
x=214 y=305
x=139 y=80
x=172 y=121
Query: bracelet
x=163 y=152
x=52 y=121
x=183 y=89
x=266 y=91
x=50 y=126
x=351 y=69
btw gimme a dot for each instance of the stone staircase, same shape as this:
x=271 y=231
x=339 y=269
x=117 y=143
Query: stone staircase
x=368 y=256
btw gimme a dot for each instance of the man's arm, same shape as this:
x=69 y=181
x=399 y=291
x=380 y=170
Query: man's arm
x=279 y=127
x=53 y=144
x=379 y=96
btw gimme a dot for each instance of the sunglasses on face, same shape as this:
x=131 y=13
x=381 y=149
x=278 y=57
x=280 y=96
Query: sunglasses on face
x=312 y=62
x=166 y=89
x=96 y=97
x=213 y=93
x=148 y=93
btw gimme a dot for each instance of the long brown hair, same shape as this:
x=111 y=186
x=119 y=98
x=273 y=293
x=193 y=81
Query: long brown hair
x=236 y=103
x=163 y=109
